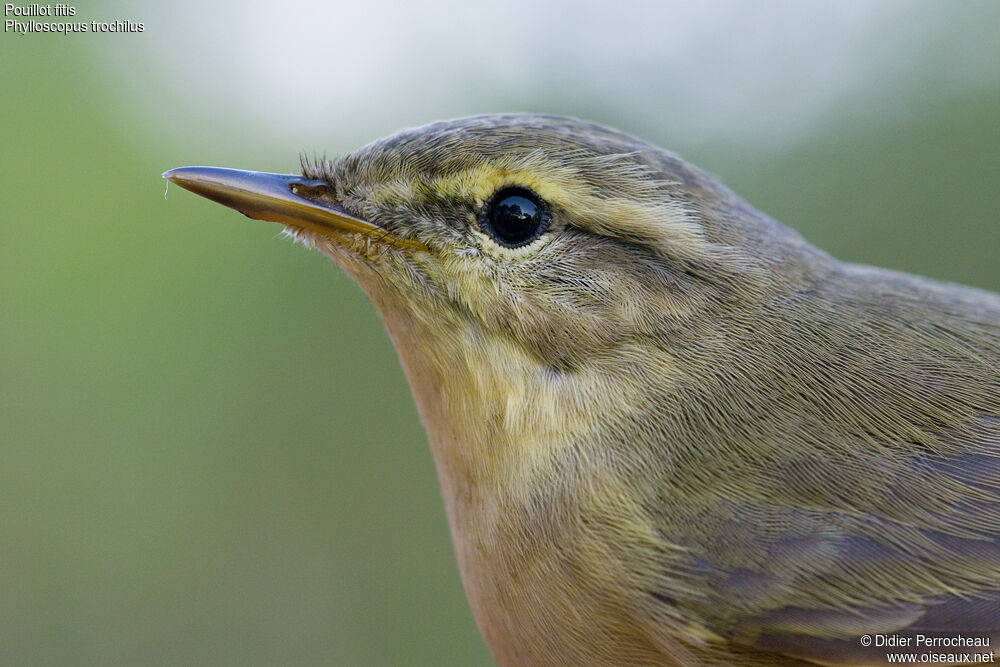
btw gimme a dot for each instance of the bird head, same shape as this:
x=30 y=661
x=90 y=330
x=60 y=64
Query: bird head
x=554 y=235
x=538 y=274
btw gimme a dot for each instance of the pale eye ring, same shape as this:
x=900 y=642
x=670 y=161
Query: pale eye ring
x=515 y=216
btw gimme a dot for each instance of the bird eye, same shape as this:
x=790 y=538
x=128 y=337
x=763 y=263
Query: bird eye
x=515 y=216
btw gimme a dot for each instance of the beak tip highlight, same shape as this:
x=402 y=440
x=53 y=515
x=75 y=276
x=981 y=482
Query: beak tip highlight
x=195 y=174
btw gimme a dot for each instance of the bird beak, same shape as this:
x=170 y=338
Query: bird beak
x=293 y=201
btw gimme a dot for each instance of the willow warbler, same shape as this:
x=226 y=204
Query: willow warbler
x=668 y=430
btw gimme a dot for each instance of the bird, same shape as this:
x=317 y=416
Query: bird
x=667 y=429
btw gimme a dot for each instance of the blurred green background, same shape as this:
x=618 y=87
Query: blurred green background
x=209 y=452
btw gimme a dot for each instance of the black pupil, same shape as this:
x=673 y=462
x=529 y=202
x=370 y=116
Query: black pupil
x=515 y=217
